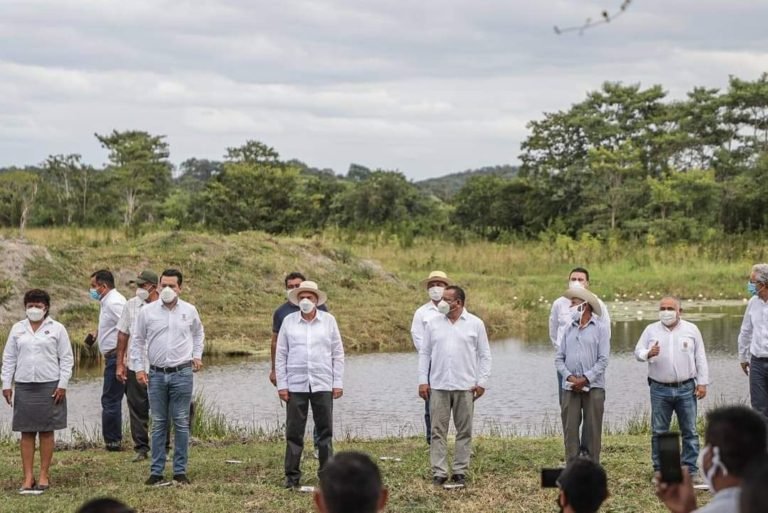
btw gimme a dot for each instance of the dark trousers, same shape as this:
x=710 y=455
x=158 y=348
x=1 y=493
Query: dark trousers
x=758 y=385
x=138 y=406
x=112 y=403
x=296 y=423
x=428 y=421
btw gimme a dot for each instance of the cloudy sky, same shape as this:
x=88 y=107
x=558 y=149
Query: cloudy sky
x=427 y=87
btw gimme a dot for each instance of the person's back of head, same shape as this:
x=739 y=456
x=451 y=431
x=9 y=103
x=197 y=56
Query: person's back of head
x=739 y=435
x=754 y=488
x=104 y=505
x=350 y=483
x=583 y=486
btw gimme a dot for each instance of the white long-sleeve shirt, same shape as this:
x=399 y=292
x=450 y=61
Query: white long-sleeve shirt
x=109 y=314
x=459 y=353
x=127 y=324
x=37 y=356
x=681 y=357
x=310 y=354
x=170 y=336
x=560 y=319
x=753 y=337
x=420 y=317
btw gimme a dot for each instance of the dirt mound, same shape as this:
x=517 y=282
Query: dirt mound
x=14 y=255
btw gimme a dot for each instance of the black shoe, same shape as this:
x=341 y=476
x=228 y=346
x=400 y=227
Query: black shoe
x=113 y=446
x=181 y=479
x=289 y=484
x=154 y=480
x=439 y=480
x=459 y=479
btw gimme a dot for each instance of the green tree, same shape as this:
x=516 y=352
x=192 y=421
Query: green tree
x=18 y=190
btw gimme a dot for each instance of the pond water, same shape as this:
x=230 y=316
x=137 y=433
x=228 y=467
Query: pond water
x=380 y=392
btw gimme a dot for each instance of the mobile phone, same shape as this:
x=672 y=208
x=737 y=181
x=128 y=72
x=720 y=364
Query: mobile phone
x=549 y=477
x=669 y=457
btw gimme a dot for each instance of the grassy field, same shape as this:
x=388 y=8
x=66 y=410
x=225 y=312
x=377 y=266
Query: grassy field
x=504 y=477
x=372 y=280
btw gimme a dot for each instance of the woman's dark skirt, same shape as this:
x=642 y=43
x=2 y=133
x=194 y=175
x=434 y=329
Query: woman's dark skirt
x=34 y=410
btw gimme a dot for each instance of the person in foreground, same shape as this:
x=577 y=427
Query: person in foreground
x=583 y=487
x=735 y=439
x=104 y=505
x=754 y=492
x=351 y=483
x=38 y=360
x=454 y=370
x=170 y=334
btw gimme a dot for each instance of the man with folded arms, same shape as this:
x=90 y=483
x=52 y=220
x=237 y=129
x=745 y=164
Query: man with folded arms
x=677 y=376
x=171 y=333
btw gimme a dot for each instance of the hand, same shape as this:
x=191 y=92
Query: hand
x=677 y=497
x=424 y=392
x=58 y=395
x=197 y=364
x=90 y=339
x=654 y=351
x=337 y=393
x=284 y=395
x=477 y=392
x=8 y=394
x=121 y=373
x=745 y=367
x=701 y=391
x=142 y=378
x=273 y=377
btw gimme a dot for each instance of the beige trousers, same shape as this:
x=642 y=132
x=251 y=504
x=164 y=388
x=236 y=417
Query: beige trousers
x=443 y=403
x=586 y=407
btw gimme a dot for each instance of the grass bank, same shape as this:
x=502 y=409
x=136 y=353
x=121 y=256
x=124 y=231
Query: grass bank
x=372 y=279
x=504 y=477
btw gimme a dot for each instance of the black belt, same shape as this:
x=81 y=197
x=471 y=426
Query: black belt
x=169 y=370
x=759 y=358
x=110 y=354
x=671 y=385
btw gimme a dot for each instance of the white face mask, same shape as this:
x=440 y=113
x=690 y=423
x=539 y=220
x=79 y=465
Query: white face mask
x=142 y=294
x=576 y=312
x=443 y=307
x=667 y=317
x=709 y=475
x=576 y=284
x=436 y=293
x=167 y=295
x=306 y=306
x=35 y=314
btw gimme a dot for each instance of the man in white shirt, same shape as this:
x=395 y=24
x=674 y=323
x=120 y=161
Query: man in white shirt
x=170 y=335
x=111 y=307
x=678 y=376
x=753 y=339
x=435 y=284
x=454 y=369
x=560 y=317
x=735 y=440
x=135 y=393
x=309 y=364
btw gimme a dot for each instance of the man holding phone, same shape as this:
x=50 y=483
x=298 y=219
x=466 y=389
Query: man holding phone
x=677 y=375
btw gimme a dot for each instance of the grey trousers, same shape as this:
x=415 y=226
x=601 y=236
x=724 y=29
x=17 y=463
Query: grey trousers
x=586 y=407
x=296 y=422
x=442 y=404
x=138 y=406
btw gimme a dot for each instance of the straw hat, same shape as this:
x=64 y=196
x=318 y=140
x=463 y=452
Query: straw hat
x=586 y=296
x=307 y=286
x=436 y=276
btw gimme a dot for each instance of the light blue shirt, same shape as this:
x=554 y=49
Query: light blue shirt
x=724 y=501
x=584 y=352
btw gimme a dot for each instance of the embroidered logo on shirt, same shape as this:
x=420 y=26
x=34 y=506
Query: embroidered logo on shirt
x=685 y=344
x=47 y=332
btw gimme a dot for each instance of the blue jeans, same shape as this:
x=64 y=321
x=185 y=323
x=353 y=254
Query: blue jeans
x=170 y=396
x=112 y=403
x=758 y=385
x=681 y=401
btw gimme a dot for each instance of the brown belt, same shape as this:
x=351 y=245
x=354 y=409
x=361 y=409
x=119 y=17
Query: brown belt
x=110 y=354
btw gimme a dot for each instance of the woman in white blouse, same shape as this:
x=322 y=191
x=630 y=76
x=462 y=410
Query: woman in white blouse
x=37 y=361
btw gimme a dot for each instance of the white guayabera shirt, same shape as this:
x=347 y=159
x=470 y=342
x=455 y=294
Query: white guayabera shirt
x=681 y=357
x=41 y=356
x=170 y=336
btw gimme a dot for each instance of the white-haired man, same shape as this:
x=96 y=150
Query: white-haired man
x=753 y=339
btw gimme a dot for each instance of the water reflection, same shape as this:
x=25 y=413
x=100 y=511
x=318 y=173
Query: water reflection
x=380 y=392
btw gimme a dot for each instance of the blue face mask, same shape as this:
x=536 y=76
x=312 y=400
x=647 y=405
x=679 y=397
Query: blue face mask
x=94 y=294
x=751 y=288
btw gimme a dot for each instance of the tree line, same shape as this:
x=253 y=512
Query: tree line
x=625 y=162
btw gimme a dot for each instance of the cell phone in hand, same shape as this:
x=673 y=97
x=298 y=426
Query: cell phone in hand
x=669 y=458
x=89 y=339
x=549 y=477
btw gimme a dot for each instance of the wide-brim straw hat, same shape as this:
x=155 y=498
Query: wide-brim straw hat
x=587 y=296
x=436 y=276
x=307 y=286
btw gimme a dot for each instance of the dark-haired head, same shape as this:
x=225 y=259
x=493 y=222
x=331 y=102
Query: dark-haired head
x=459 y=294
x=37 y=297
x=577 y=271
x=104 y=505
x=583 y=485
x=739 y=433
x=104 y=277
x=350 y=483
x=294 y=278
x=171 y=273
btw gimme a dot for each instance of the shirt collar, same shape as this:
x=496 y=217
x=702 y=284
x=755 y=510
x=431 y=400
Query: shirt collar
x=591 y=320
x=318 y=317
x=28 y=325
x=104 y=298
